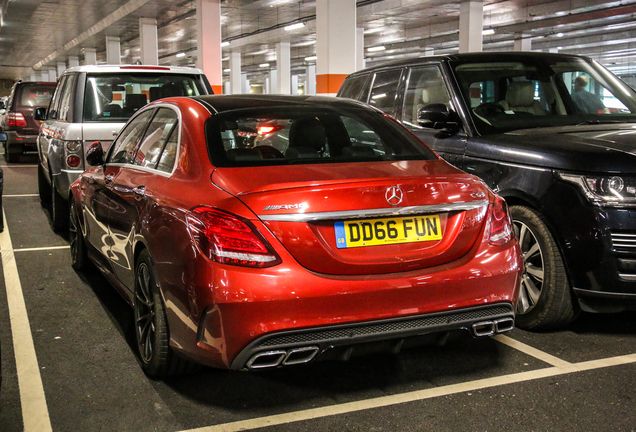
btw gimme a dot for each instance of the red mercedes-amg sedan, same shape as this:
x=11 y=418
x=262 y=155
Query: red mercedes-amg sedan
x=255 y=232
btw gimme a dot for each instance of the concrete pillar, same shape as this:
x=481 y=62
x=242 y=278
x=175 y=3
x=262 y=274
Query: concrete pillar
x=148 y=41
x=61 y=67
x=73 y=61
x=52 y=74
x=267 y=87
x=523 y=43
x=227 y=89
x=283 y=66
x=471 y=25
x=90 y=56
x=335 y=43
x=113 y=50
x=245 y=84
x=33 y=77
x=360 y=63
x=273 y=81
x=554 y=50
x=310 y=82
x=43 y=75
x=294 y=85
x=209 y=42
x=235 y=72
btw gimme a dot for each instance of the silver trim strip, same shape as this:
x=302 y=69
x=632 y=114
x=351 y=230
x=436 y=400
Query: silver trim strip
x=383 y=212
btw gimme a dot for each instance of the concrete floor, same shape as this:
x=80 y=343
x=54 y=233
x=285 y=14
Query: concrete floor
x=579 y=379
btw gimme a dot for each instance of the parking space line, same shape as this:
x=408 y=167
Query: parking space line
x=527 y=349
x=41 y=248
x=415 y=395
x=35 y=413
x=18 y=166
x=20 y=196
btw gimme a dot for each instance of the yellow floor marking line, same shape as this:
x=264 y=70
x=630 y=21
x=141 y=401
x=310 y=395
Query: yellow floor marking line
x=527 y=349
x=415 y=396
x=35 y=413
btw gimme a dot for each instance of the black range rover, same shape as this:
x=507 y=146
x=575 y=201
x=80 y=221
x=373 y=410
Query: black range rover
x=553 y=134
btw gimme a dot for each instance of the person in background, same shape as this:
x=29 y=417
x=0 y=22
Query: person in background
x=586 y=102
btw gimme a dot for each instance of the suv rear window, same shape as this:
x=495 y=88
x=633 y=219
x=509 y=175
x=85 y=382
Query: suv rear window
x=116 y=97
x=35 y=95
x=300 y=135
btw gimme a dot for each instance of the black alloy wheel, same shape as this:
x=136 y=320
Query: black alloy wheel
x=79 y=257
x=151 y=325
x=545 y=298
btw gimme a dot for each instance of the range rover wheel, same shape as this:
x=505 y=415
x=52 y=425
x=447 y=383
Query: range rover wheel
x=545 y=298
x=79 y=258
x=59 y=210
x=151 y=325
x=44 y=188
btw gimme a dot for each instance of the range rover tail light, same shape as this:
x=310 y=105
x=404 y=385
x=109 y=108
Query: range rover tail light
x=16 y=120
x=229 y=239
x=73 y=154
x=500 y=223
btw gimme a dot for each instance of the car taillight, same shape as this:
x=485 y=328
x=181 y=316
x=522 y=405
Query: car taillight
x=229 y=239
x=16 y=120
x=500 y=223
x=73 y=152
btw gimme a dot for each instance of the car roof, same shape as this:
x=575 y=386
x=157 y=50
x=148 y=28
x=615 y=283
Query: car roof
x=134 y=69
x=480 y=56
x=222 y=103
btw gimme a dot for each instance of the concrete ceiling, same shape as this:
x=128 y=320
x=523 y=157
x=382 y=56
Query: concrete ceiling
x=36 y=34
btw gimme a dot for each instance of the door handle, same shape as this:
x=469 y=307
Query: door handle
x=139 y=192
x=108 y=180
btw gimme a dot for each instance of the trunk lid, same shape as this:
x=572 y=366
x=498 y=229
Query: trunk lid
x=365 y=218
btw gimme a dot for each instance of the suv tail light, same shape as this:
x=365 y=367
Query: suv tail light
x=228 y=239
x=500 y=223
x=16 y=120
x=73 y=154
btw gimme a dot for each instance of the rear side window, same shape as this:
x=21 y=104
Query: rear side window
x=115 y=97
x=384 y=91
x=35 y=95
x=299 y=135
x=161 y=128
x=352 y=87
x=123 y=149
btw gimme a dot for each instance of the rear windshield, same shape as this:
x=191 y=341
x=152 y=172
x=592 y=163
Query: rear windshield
x=116 y=97
x=35 y=95
x=299 y=135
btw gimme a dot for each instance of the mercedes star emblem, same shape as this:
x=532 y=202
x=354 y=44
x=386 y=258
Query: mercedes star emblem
x=394 y=195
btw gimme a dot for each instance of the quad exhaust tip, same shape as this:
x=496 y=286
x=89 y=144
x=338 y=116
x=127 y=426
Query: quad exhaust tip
x=270 y=359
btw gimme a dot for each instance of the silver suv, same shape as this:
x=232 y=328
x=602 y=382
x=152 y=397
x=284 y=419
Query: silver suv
x=92 y=103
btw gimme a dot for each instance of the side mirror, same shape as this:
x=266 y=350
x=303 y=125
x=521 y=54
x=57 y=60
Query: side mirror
x=437 y=116
x=39 y=114
x=3 y=137
x=2 y=106
x=95 y=154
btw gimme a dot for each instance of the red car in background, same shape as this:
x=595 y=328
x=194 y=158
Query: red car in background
x=344 y=234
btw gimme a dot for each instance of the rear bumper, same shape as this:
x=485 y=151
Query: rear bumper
x=14 y=139
x=302 y=346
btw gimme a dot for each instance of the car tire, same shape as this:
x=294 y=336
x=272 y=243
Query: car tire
x=59 y=210
x=44 y=188
x=151 y=325
x=545 y=298
x=79 y=257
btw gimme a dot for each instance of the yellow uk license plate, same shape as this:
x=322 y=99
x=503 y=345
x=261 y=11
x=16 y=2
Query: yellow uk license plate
x=374 y=232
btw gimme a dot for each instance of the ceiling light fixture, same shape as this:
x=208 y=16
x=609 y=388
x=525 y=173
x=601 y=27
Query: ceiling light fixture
x=224 y=44
x=488 y=32
x=295 y=26
x=310 y=58
x=376 y=48
x=181 y=54
x=263 y=65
